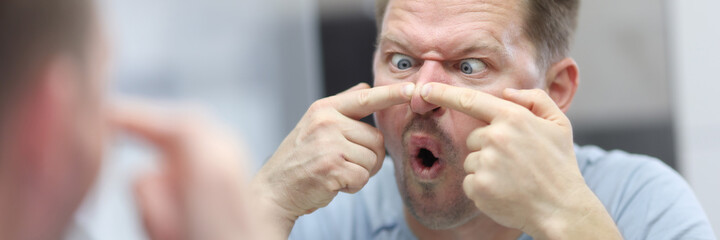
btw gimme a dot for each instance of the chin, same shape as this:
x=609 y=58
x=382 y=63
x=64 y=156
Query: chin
x=436 y=205
x=443 y=220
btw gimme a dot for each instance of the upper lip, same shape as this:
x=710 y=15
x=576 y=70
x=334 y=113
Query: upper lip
x=419 y=141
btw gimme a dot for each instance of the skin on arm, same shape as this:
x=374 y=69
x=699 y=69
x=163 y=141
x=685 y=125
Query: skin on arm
x=328 y=151
x=522 y=170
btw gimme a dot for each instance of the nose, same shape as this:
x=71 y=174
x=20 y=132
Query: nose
x=431 y=71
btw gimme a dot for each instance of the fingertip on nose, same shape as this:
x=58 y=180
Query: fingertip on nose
x=408 y=89
x=425 y=90
x=419 y=105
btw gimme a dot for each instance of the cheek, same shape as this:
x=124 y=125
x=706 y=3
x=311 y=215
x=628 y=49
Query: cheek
x=381 y=80
x=391 y=122
x=517 y=77
x=383 y=76
x=459 y=126
x=496 y=88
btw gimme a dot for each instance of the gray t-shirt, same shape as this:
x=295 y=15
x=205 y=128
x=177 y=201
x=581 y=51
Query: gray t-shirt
x=646 y=198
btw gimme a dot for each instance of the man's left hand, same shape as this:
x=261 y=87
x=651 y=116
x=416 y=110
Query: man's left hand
x=522 y=171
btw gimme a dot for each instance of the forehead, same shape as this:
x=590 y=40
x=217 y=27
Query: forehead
x=448 y=26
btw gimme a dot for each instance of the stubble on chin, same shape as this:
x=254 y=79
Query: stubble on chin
x=434 y=205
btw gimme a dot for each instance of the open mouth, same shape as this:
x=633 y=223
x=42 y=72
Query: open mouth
x=425 y=159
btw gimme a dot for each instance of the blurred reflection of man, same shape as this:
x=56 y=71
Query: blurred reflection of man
x=469 y=100
x=52 y=128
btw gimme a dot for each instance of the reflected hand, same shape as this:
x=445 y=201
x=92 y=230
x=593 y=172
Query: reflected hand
x=199 y=192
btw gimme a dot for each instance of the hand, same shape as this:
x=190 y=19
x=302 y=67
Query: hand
x=328 y=151
x=522 y=171
x=199 y=192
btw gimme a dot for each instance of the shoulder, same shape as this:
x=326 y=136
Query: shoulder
x=375 y=212
x=607 y=172
x=646 y=198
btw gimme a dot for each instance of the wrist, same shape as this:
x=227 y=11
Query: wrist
x=271 y=211
x=581 y=216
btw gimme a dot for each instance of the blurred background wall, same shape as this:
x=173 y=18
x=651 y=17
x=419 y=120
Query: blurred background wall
x=695 y=47
x=646 y=81
x=254 y=63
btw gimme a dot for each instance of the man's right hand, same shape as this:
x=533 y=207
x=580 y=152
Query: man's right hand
x=328 y=151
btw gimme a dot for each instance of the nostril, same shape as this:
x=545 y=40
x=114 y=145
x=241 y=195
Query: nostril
x=437 y=111
x=420 y=106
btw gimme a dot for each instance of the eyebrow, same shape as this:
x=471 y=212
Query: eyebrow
x=465 y=48
x=392 y=39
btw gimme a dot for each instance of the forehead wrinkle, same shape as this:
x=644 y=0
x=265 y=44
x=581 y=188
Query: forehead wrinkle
x=390 y=38
x=450 y=42
x=480 y=40
x=433 y=31
x=410 y=27
x=443 y=10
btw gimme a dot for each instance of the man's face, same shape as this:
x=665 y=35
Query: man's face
x=474 y=44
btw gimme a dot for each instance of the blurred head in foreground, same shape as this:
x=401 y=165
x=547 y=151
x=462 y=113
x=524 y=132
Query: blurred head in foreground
x=51 y=133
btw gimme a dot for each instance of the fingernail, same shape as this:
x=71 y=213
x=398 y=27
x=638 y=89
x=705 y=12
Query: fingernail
x=425 y=90
x=409 y=89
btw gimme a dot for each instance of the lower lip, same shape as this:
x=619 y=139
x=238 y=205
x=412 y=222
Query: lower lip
x=426 y=173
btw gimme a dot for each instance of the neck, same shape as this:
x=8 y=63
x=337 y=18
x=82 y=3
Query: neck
x=31 y=203
x=480 y=227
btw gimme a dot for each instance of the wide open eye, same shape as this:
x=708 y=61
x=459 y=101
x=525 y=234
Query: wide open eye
x=402 y=62
x=471 y=66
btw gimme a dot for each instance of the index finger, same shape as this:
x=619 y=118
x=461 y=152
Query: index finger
x=477 y=104
x=143 y=120
x=361 y=103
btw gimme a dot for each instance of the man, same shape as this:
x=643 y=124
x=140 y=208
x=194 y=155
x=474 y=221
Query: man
x=469 y=100
x=52 y=60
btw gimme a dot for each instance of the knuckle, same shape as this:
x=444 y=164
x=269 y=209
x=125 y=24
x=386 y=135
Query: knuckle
x=496 y=135
x=353 y=189
x=466 y=100
x=363 y=98
x=363 y=178
x=470 y=162
x=321 y=121
x=537 y=93
x=332 y=185
x=335 y=180
x=519 y=119
x=328 y=165
x=510 y=113
x=379 y=143
x=355 y=182
x=379 y=138
x=474 y=140
x=477 y=186
x=468 y=186
x=489 y=160
x=373 y=158
x=319 y=104
x=482 y=183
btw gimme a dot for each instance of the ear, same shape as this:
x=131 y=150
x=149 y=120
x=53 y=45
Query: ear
x=562 y=82
x=44 y=109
